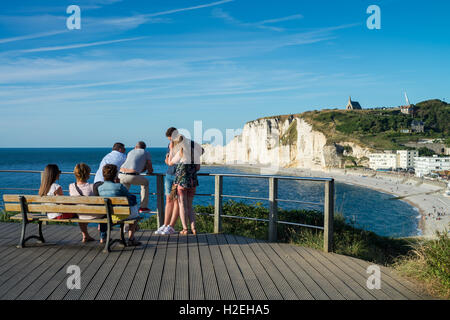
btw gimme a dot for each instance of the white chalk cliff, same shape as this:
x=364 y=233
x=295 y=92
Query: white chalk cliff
x=282 y=142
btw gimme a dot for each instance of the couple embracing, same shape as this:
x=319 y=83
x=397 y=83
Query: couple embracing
x=183 y=160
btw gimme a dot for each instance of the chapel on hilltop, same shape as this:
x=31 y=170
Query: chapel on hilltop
x=353 y=105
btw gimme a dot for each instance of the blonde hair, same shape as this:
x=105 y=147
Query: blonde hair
x=49 y=176
x=82 y=172
x=177 y=144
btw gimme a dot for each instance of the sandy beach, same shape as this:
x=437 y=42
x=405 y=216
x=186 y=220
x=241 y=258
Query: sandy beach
x=427 y=196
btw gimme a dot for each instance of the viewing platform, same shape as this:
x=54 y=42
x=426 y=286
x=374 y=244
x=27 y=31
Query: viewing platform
x=203 y=267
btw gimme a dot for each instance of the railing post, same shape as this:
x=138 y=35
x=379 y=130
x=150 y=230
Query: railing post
x=273 y=209
x=160 y=199
x=41 y=175
x=329 y=216
x=218 y=204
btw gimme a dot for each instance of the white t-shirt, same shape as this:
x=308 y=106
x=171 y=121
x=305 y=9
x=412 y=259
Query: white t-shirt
x=51 y=192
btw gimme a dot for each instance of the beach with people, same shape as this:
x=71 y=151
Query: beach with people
x=427 y=197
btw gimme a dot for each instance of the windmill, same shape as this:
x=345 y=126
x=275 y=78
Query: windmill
x=408 y=108
x=407 y=100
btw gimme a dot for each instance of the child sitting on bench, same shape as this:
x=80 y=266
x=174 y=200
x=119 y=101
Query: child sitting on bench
x=111 y=189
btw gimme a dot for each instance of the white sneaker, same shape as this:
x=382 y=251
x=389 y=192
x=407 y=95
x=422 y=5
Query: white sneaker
x=160 y=230
x=169 y=230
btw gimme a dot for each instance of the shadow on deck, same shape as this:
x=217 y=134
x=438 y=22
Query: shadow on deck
x=206 y=266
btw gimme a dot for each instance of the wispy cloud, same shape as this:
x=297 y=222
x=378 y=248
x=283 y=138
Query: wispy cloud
x=32 y=36
x=72 y=72
x=71 y=80
x=212 y=4
x=137 y=20
x=124 y=81
x=96 y=4
x=219 y=13
x=104 y=2
x=122 y=23
x=76 y=46
x=288 y=18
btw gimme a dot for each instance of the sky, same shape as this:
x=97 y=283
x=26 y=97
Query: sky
x=136 y=68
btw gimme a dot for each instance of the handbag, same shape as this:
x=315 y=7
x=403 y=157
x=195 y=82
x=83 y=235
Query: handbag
x=197 y=166
x=173 y=192
x=70 y=215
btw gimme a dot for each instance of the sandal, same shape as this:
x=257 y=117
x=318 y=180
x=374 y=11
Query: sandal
x=87 y=240
x=184 y=232
x=194 y=231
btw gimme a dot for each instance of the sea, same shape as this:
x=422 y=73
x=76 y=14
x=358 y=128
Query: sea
x=365 y=208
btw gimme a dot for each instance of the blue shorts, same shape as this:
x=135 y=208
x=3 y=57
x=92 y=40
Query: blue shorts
x=168 y=182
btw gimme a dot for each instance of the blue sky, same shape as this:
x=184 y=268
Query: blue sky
x=137 y=67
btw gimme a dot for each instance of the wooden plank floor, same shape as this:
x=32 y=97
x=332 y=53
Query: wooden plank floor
x=174 y=267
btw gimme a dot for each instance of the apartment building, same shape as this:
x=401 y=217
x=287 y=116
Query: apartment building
x=403 y=159
x=427 y=165
x=386 y=160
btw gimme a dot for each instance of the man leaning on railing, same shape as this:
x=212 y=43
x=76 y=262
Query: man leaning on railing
x=138 y=161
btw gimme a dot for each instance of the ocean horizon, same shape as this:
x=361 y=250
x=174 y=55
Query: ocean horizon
x=365 y=208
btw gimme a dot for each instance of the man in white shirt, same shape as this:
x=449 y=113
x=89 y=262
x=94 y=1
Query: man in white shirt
x=116 y=157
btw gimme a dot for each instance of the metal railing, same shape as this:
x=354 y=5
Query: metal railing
x=218 y=195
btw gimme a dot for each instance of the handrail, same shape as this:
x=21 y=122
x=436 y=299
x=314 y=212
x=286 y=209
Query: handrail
x=218 y=197
x=270 y=176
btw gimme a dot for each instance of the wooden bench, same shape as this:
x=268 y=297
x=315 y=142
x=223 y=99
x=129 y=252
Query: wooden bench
x=34 y=208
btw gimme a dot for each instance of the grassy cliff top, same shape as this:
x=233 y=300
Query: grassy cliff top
x=378 y=128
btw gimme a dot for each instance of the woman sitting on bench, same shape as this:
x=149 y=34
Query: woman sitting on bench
x=111 y=189
x=49 y=187
x=83 y=188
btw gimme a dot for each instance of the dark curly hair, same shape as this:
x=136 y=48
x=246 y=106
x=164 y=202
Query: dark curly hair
x=109 y=172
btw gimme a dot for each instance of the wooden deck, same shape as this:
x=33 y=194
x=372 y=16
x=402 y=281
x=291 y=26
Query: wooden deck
x=208 y=266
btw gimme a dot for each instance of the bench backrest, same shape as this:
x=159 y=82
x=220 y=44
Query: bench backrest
x=64 y=204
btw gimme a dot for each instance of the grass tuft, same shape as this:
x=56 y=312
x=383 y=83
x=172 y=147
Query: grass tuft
x=428 y=264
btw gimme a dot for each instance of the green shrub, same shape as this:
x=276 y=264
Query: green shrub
x=290 y=136
x=425 y=152
x=429 y=263
x=5 y=216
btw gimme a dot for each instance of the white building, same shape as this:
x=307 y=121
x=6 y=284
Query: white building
x=387 y=160
x=403 y=159
x=427 y=165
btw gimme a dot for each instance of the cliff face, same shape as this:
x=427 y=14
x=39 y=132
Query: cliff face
x=282 y=142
